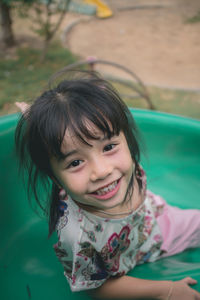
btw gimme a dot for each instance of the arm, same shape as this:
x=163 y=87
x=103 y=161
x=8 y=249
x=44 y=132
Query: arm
x=127 y=287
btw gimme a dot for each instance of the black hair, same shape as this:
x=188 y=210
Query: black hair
x=41 y=129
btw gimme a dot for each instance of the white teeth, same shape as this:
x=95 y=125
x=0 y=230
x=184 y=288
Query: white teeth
x=107 y=189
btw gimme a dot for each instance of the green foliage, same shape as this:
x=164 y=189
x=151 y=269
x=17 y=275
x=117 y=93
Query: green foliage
x=14 y=2
x=42 y=19
x=194 y=19
x=46 y=16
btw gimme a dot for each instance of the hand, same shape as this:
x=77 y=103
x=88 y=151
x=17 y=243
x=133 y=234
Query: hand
x=182 y=290
x=23 y=106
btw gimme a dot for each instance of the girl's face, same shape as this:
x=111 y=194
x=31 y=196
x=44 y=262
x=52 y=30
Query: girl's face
x=98 y=174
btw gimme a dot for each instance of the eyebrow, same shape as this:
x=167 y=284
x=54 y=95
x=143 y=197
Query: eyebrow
x=68 y=154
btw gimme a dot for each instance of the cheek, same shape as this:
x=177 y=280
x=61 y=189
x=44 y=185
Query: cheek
x=126 y=159
x=73 y=184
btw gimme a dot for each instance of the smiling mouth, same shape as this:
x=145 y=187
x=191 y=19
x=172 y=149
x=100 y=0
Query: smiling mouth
x=108 y=188
x=108 y=191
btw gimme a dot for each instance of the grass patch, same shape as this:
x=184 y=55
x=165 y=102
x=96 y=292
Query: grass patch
x=25 y=77
x=194 y=19
x=180 y=102
x=186 y=103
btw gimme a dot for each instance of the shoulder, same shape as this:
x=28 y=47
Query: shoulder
x=68 y=225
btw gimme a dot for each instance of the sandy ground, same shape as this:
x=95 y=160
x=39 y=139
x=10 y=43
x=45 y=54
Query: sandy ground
x=152 y=38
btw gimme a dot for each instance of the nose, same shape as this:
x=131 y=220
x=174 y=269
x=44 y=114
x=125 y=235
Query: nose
x=100 y=169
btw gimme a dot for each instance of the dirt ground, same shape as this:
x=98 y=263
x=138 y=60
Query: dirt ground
x=151 y=37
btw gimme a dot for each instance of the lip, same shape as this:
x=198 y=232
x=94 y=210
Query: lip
x=108 y=195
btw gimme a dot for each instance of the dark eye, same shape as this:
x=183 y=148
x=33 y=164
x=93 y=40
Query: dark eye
x=109 y=147
x=74 y=163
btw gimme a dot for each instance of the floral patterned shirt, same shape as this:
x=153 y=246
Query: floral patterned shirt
x=93 y=249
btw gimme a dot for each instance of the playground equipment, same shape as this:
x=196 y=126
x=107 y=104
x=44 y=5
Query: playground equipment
x=103 y=11
x=28 y=266
x=135 y=86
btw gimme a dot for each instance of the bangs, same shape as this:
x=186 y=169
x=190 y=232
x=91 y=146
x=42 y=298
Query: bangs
x=81 y=123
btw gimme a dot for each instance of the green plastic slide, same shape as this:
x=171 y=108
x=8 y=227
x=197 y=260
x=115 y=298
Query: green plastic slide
x=29 y=268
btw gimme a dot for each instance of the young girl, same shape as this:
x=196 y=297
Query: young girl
x=82 y=137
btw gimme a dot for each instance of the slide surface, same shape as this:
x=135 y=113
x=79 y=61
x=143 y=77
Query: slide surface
x=29 y=268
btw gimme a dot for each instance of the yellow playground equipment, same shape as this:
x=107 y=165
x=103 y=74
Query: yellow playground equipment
x=103 y=11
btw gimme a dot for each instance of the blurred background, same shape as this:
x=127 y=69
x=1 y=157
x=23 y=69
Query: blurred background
x=149 y=49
